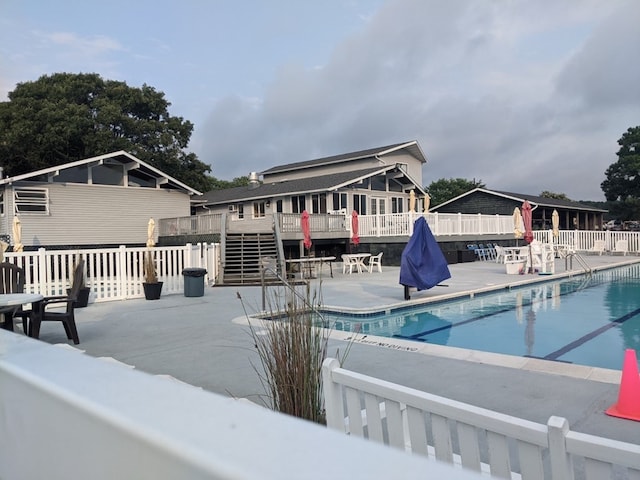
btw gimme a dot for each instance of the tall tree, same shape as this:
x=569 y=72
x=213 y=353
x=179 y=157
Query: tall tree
x=65 y=117
x=554 y=195
x=622 y=185
x=445 y=189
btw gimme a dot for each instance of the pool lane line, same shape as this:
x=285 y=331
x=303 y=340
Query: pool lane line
x=416 y=336
x=589 y=336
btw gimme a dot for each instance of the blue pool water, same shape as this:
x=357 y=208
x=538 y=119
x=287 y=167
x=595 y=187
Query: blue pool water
x=588 y=320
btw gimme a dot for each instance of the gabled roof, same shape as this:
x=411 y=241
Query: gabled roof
x=323 y=183
x=413 y=148
x=534 y=200
x=122 y=157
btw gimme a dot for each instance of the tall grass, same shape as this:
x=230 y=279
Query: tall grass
x=291 y=351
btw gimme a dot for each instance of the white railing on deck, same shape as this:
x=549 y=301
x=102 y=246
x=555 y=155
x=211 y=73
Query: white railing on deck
x=193 y=225
x=484 y=440
x=114 y=273
x=585 y=239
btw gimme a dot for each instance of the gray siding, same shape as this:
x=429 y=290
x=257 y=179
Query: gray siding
x=97 y=214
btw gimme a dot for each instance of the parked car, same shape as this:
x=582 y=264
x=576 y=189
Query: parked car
x=613 y=225
x=632 y=226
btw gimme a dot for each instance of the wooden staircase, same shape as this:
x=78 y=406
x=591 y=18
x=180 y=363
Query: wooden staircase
x=242 y=254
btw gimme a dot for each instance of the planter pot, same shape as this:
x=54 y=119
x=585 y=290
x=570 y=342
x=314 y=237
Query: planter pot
x=83 y=297
x=152 y=291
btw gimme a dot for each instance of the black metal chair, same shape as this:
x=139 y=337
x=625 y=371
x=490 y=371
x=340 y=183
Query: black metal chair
x=66 y=316
x=12 y=281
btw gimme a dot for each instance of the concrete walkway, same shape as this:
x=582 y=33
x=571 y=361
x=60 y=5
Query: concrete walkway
x=205 y=341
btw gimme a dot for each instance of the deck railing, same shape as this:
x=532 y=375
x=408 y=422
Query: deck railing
x=113 y=273
x=476 y=438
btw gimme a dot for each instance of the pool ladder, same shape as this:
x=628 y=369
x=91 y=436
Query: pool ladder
x=568 y=261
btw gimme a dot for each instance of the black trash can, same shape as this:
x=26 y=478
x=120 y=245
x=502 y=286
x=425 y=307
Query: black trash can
x=194 y=281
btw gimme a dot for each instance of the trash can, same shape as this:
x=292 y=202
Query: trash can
x=194 y=281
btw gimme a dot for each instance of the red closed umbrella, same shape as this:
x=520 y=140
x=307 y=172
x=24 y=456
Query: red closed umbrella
x=355 y=239
x=306 y=229
x=528 y=221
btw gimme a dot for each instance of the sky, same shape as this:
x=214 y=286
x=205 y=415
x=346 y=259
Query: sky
x=523 y=96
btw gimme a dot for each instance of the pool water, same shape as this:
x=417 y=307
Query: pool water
x=589 y=320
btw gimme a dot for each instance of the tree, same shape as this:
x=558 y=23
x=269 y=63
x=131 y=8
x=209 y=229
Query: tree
x=65 y=117
x=445 y=189
x=622 y=185
x=556 y=196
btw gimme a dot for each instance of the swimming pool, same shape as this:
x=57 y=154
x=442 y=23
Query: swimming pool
x=587 y=320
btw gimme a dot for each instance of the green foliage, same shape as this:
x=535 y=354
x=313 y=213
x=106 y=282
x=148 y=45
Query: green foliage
x=556 y=196
x=445 y=189
x=236 y=182
x=66 y=117
x=622 y=185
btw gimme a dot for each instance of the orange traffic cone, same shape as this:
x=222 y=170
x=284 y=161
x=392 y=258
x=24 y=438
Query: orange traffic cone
x=628 y=405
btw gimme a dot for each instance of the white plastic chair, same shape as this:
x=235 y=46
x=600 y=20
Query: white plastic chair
x=375 y=261
x=622 y=246
x=348 y=262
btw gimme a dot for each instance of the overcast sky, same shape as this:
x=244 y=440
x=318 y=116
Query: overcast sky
x=524 y=95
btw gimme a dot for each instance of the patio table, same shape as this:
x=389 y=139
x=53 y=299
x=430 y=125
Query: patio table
x=359 y=258
x=10 y=302
x=308 y=263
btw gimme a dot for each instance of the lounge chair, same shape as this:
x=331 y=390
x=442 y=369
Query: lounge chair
x=598 y=247
x=622 y=246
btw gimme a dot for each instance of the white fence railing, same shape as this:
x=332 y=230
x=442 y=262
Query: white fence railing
x=476 y=438
x=113 y=273
x=585 y=239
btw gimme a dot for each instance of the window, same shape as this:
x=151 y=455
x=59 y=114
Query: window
x=258 y=209
x=396 y=204
x=31 y=201
x=339 y=201
x=279 y=206
x=298 y=204
x=2 y=202
x=379 y=183
x=319 y=203
x=360 y=203
x=240 y=211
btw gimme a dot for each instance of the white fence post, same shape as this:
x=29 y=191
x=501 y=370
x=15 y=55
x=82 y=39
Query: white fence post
x=124 y=273
x=560 y=460
x=333 y=404
x=43 y=282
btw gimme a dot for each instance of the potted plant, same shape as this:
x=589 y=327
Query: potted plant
x=152 y=287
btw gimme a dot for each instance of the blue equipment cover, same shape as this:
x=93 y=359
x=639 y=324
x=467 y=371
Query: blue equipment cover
x=423 y=264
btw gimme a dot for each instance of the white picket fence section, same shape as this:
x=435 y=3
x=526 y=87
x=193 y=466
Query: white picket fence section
x=585 y=239
x=475 y=438
x=114 y=273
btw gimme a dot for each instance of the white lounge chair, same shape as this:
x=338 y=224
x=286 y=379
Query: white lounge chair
x=598 y=247
x=375 y=261
x=622 y=246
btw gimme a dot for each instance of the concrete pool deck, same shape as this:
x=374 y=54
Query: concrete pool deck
x=204 y=341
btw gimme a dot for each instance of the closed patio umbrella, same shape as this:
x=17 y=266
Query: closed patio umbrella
x=555 y=224
x=150 y=233
x=427 y=201
x=17 y=235
x=412 y=201
x=355 y=239
x=527 y=219
x=306 y=229
x=517 y=223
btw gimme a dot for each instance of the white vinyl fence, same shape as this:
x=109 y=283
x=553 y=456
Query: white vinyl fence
x=114 y=273
x=473 y=437
x=585 y=239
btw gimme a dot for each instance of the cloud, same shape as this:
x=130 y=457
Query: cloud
x=524 y=106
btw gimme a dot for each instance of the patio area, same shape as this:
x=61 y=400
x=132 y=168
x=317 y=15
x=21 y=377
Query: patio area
x=204 y=341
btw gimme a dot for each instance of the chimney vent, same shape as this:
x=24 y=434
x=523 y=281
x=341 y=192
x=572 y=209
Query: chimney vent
x=254 y=182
